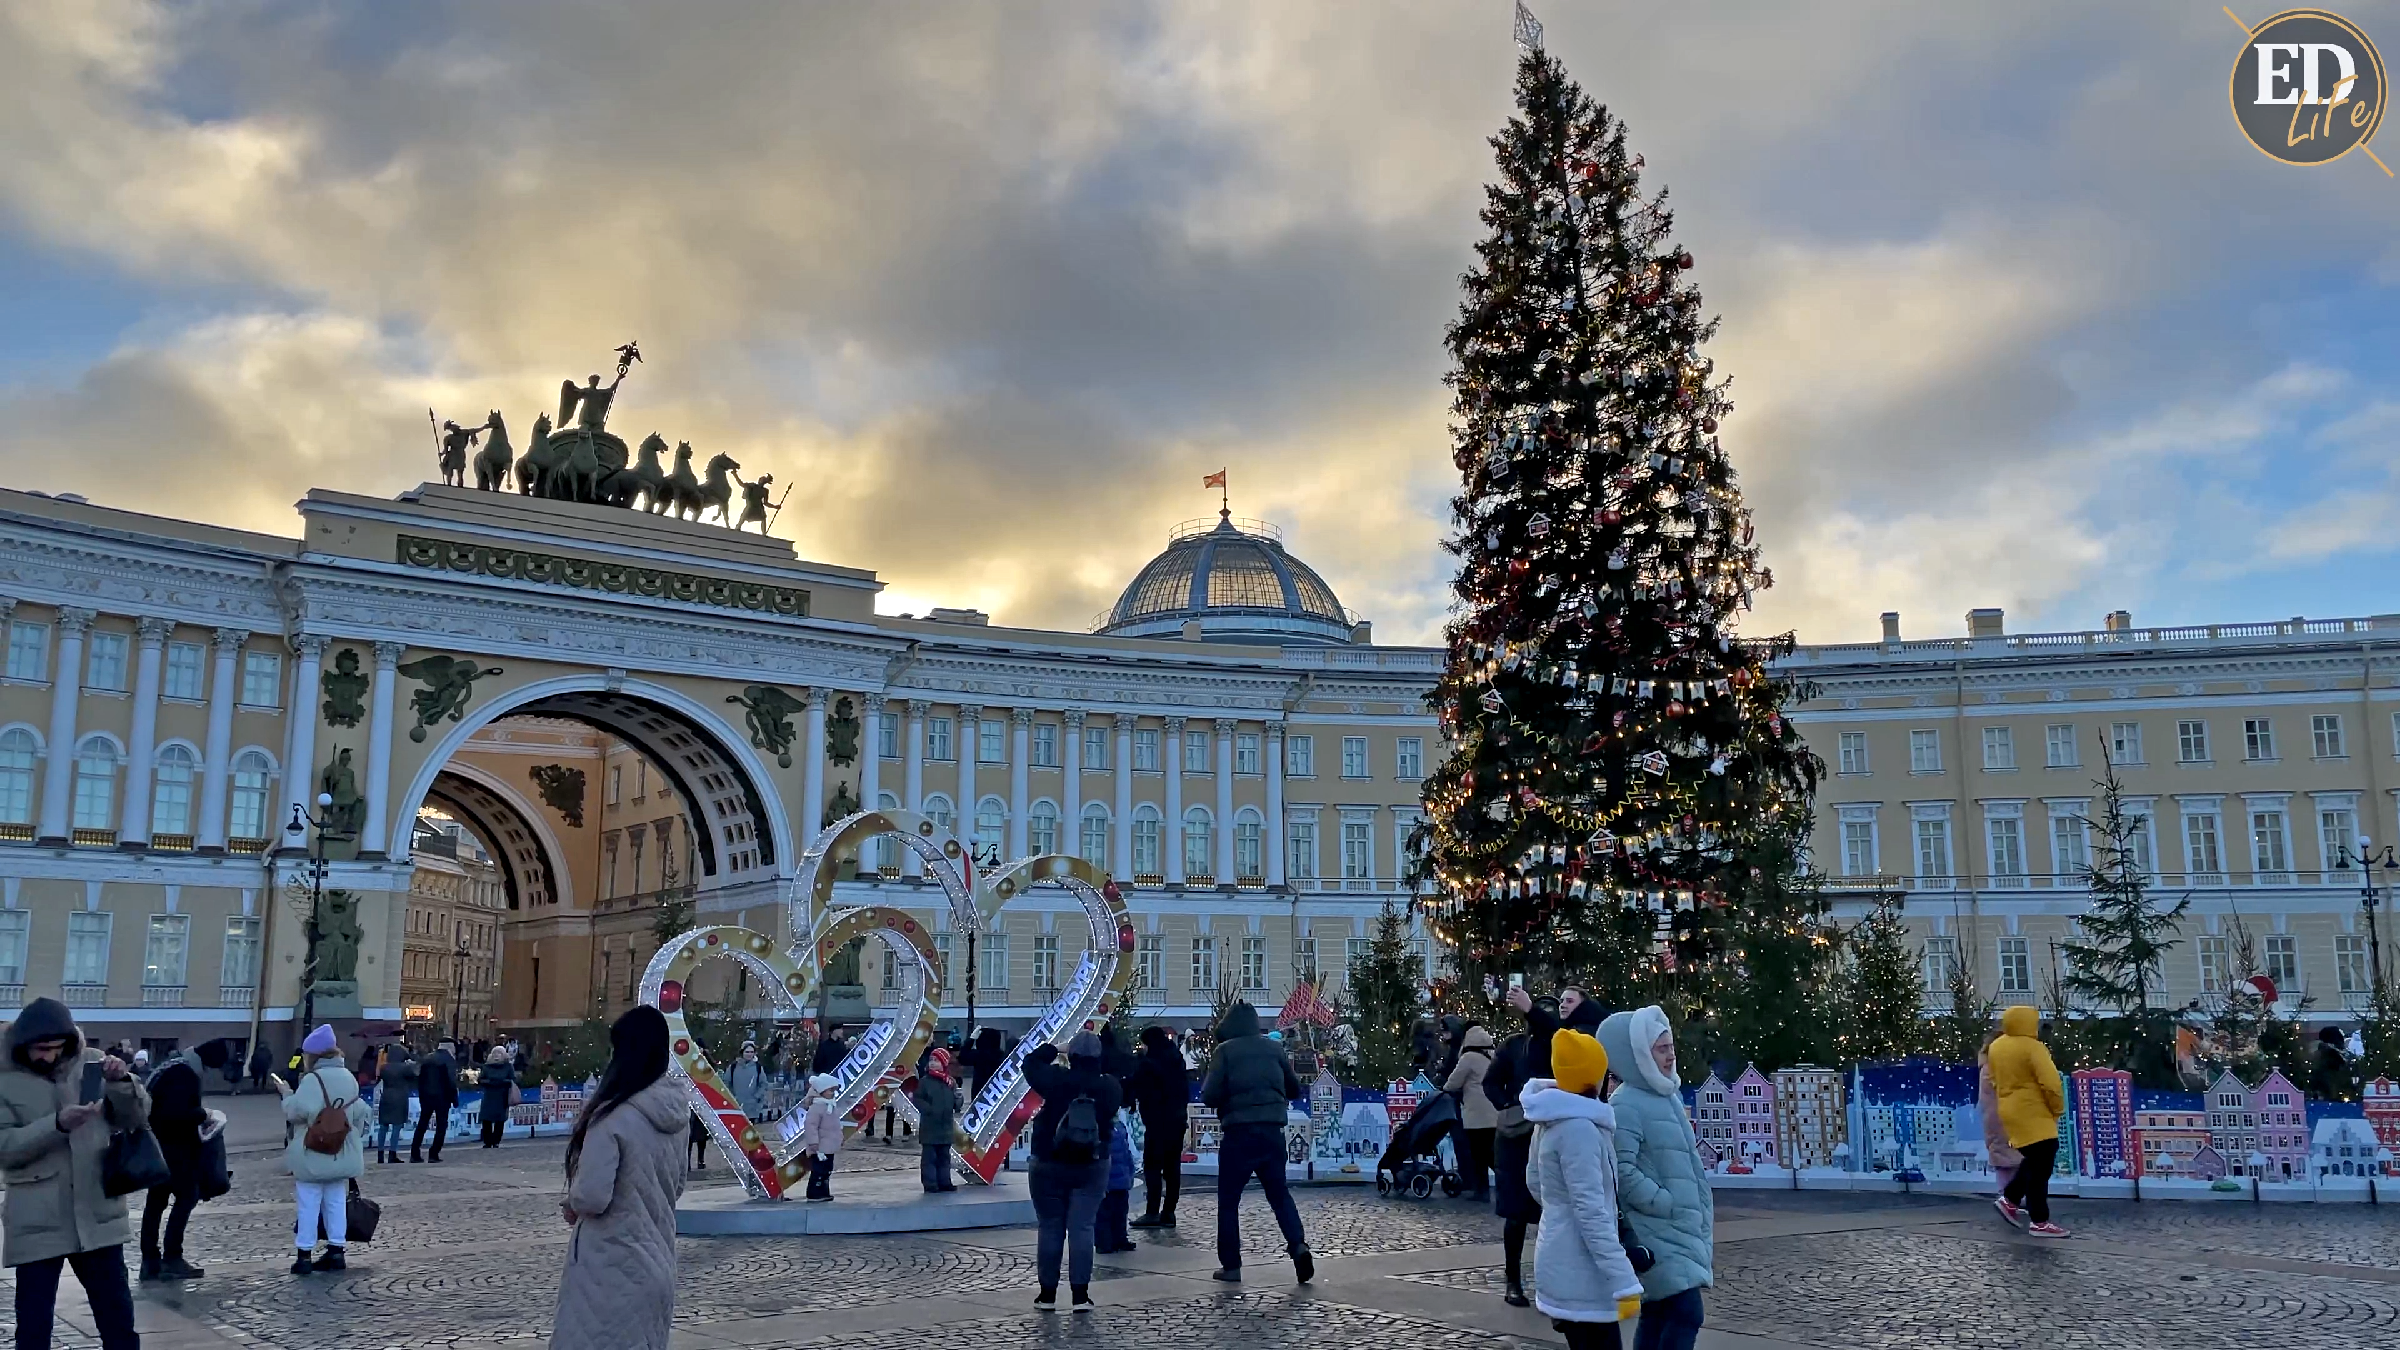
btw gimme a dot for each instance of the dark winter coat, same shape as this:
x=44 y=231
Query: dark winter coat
x=1543 y=1024
x=2329 y=1078
x=1162 y=1086
x=1512 y=1148
x=831 y=1051
x=437 y=1082
x=937 y=1109
x=981 y=1060
x=497 y=1079
x=400 y=1075
x=1059 y=1086
x=176 y=1116
x=1121 y=1170
x=1250 y=1080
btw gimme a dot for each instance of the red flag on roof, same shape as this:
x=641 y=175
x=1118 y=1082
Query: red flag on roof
x=1215 y=480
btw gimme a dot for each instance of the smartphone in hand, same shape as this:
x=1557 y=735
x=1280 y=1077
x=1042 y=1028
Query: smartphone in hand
x=94 y=1086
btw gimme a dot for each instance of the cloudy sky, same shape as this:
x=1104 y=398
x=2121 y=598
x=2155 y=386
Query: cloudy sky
x=2015 y=316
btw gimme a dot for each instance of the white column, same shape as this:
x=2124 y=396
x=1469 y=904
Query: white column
x=913 y=776
x=375 y=839
x=1122 y=766
x=968 y=745
x=812 y=778
x=1224 y=730
x=1020 y=790
x=133 y=823
x=66 y=693
x=1071 y=769
x=1277 y=831
x=1171 y=742
x=870 y=763
x=216 y=754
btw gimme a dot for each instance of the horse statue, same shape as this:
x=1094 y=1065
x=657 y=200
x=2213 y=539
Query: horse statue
x=718 y=490
x=645 y=478
x=493 y=462
x=539 y=461
x=682 y=489
x=577 y=478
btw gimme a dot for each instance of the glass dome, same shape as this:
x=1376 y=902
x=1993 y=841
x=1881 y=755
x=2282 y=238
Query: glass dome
x=1236 y=582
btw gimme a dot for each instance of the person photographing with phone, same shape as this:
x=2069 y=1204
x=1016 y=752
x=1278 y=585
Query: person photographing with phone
x=55 y=1123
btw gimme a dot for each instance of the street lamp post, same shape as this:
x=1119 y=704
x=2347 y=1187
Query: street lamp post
x=295 y=832
x=458 y=992
x=2370 y=898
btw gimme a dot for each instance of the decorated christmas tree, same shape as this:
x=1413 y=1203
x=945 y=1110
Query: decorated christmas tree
x=1611 y=738
x=1382 y=1000
x=1771 y=995
x=2122 y=938
x=1882 y=1004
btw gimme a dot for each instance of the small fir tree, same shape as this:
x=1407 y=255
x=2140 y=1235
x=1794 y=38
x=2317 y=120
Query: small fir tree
x=1883 y=990
x=1770 y=996
x=2123 y=937
x=1959 y=1029
x=1383 y=1001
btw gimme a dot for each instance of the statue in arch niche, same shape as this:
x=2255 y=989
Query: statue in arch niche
x=768 y=712
x=841 y=732
x=449 y=682
x=338 y=938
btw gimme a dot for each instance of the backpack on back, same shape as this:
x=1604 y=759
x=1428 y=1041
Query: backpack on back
x=1077 y=1139
x=329 y=1129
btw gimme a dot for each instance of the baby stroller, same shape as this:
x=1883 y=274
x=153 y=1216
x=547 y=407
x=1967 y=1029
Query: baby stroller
x=1414 y=1162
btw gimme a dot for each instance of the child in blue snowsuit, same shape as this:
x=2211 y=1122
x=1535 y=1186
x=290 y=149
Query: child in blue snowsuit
x=1109 y=1233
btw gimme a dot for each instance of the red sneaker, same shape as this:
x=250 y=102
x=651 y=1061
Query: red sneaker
x=2047 y=1230
x=2008 y=1211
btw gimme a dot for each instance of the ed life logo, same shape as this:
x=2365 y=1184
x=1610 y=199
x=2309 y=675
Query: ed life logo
x=2308 y=87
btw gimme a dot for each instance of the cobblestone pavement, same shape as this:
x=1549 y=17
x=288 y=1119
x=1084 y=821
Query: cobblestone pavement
x=470 y=1253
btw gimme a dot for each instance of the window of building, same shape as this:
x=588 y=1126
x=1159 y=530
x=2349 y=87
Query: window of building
x=1925 y=751
x=1146 y=841
x=1356 y=953
x=252 y=772
x=2142 y=841
x=167 y=950
x=1041 y=828
x=171 y=791
x=616 y=784
x=104 y=662
x=1149 y=962
x=1247 y=834
x=937 y=739
x=262 y=680
x=1854 y=752
x=1045 y=745
x=939 y=811
x=2203 y=856
x=1095 y=747
x=1412 y=757
x=2258 y=738
x=2016 y=966
x=2281 y=956
x=2270 y=850
x=1858 y=848
x=87 y=946
x=1933 y=848
x=184 y=664
x=1045 y=961
x=1300 y=848
x=992 y=954
x=1145 y=750
x=2337 y=835
x=941 y=962
x=1195 y=752
x=18 y=753
x=2191 y=741
x=1999 y=748
x=1354 y=757
x=28 y=651
x=2350 y=964
x=95 y=783
x=1254 y=963
x=2125 y=742
x=2325 y=735
x=16 y=925
x=1358 y=850
x=1245 y=752
x=2059 y=747
x=1941 y=963
x=2216 y=972
x=1300 y=756
x=991 y=830
x=1198 y=838
x=2070 y=845
x=2005 y=838
x=991 y=741
x=1204 y=964
x=1095 y=836
x=887 y=735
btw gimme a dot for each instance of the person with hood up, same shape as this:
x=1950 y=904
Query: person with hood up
x=2031 y=1100
x=498 y=1081
x=1478 y=1118
x=55 y=1212
x=400 y=1073
x=936 y=1100
x=2329 y=1075
x=437 y=1092
x=821 y=1135
x=1582 y=1279
x=1512 y=1152
x=1161 y=1088
x=1069 y=1181
x=981 y=1059
x=624 y=1175
x=748 y=1079
x=176 y=1115
x=2005 y=1160
x=321 y=1178
x=1663 y=1192
x=1251 y=1087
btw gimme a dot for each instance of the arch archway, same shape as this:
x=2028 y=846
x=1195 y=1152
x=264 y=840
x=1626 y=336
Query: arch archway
x=533 y=872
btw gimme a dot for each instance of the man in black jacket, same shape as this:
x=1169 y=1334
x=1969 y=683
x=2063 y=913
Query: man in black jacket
x=1251 y=1087
x=437 y=1092
x=831 y=1051
x=176 y=1116
x=1162 y=1091
x=1576 y=1012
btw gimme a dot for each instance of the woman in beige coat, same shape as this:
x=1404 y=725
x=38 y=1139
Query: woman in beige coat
x=56 y=1211
x=624 y=1175
x=1478 y=1119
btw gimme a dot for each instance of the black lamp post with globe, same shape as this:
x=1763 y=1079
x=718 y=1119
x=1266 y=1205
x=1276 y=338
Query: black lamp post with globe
x=2370 y=898
x=295 y=833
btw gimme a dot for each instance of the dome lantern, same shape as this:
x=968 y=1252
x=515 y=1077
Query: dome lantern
x=1229 y=581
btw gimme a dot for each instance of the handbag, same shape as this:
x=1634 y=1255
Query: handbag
x=216 y=1172
x=134 y=1162
x=361 y=1214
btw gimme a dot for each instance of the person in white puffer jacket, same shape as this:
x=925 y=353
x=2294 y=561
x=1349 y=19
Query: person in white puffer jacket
x=1582 y=1279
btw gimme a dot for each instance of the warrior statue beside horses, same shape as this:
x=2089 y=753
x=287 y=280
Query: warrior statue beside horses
x=575 y=458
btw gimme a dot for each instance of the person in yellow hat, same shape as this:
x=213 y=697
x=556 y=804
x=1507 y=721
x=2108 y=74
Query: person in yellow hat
x=1582 y=1278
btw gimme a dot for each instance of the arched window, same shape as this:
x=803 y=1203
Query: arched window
x=1146 y=840
x=1197 y=836
x=1095 y=835
x=886 y=852
x=937 y=810
x=991 y=830
x=18 y=751
x=1248 y=832
x=1042 y=827
x=171 y=791
x=253 y=774
x=95 y=783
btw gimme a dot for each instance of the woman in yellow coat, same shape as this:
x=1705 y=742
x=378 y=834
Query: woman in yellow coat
x=2031 y=1100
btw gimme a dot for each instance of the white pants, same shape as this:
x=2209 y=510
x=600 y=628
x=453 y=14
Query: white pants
x=329 y=1200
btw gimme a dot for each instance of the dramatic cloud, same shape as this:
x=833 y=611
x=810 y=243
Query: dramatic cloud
x=994 y=285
